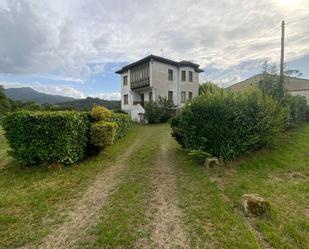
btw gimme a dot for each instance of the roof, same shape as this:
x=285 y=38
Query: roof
x=292 y=83
x=161 y=59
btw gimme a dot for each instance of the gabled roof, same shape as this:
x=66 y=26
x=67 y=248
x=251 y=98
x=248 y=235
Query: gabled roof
x=291 y=84
x=161 y=59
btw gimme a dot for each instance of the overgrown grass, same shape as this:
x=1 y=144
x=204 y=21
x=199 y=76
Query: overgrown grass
x=210 y=221
x=33 y=200
x=280 y=174
x=123 y=221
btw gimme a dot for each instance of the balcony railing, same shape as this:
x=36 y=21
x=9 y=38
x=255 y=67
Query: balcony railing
x=140 y=83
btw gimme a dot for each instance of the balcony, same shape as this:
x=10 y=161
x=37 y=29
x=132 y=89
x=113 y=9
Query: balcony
x=140 y=83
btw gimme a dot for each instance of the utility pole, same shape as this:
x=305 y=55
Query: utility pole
x=282 y=53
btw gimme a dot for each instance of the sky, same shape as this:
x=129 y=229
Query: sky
x=74 y=47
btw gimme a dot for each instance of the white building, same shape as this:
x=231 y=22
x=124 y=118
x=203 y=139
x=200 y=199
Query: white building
x=295 y=86
x=154 y=76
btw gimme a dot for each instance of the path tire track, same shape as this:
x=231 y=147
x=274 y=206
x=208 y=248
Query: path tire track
x=166 y=217
x=86 y=212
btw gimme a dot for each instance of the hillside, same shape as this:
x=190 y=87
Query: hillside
x=29 y=94
x=88 y=103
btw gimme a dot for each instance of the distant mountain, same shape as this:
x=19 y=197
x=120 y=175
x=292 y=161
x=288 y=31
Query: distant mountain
x=88 y=103
x=28 y=94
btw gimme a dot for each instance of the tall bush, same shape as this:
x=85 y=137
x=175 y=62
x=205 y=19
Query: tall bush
x=100 y=113
x=37 y=137
x=153 y=112
x=123 y=124
x=102 y=133
x=297 y=107
x=227 y=124
x=160 y=111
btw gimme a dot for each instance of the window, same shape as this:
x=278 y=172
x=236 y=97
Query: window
x=150 y=96
x=190 y=76
x=170 y=74
x=190 y=95
x=170 y=96
x=125 y=99
x=183 y=75
x=125 y=80
x=183 y=97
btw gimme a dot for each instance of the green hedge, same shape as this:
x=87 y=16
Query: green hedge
x=123 y=124
x=297 y=106
x=227 y=124
x=37 y=137
x=102 y=133
x=100 y=113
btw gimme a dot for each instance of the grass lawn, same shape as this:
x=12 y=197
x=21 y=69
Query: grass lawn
x=212 y=201
x=123 y=219
x=34 y=200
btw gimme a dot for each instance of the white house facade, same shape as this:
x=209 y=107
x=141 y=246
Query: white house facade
x=153 y=76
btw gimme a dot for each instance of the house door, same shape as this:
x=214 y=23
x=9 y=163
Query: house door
x=142 y=99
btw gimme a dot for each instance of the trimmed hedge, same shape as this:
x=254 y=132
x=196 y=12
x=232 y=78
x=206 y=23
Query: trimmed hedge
x=37 y=137
x=227 y=124
x=123 y=124
x=100 y=113
x=102 y=133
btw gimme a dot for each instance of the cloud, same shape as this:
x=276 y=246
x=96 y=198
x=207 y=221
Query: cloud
x=77 y=38
x=108 y=96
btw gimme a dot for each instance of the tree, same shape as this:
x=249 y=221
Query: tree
x=208 y=87
x=271 y=82
x=5 y=105
x=274 y=85
x=160 y=111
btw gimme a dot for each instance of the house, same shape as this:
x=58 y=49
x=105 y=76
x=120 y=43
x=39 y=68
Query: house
x=153 y=76
x=295 y=86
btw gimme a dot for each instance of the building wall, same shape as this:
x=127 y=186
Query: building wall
x=304 y=93
x=187 y=86
x=295 y=86
x=161 y=85
x=126 y=90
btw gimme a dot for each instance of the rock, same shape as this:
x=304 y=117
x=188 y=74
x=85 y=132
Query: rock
x=254 y=204
x=211 y=162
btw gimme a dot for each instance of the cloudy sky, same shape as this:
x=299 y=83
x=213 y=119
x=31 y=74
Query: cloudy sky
x=74 y=47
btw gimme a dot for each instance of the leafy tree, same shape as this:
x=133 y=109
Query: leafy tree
x=160 y=111
x=274 y=85
x=5 y=104
x=271 y=83
x=208 y=87
x=28 y=106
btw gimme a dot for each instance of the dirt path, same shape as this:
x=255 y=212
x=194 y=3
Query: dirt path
x=166 y=225
x=86 y=211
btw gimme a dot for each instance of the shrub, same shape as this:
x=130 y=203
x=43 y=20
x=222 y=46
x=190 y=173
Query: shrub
x=123 y=124
x=227 y=124
x=297 y=106
x=37 y=137
x=100 y=113
x=153 y=112
x=208 y=87
x=102 y=133
x=160 y=111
